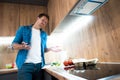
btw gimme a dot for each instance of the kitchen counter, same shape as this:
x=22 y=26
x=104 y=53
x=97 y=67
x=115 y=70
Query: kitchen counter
x=5 y=71
x=57 y=72
x=107 y=71
x=54 y=71
x=104 y=72
x=61 y=74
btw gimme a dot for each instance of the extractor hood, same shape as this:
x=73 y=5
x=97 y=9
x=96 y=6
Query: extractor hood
x=86 y=7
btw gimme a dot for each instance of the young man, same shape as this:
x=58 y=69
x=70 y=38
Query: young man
x=31 y=43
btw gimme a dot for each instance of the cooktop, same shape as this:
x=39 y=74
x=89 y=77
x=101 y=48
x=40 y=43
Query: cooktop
x=97 y=71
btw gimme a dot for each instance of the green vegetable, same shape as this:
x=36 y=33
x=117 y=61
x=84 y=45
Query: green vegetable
x=55 y=64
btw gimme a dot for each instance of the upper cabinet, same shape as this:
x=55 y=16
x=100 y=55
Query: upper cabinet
x=14 y=15
x=9 y=19
x=57 y=10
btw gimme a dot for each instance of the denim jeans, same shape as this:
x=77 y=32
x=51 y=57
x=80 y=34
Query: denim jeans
x=30 y=71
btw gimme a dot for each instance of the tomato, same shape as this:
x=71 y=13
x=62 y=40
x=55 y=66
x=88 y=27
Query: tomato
x=13 y=65
x=70 y=62
x=66 y=63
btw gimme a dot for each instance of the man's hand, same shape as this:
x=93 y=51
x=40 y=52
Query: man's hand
x=54 y=49
x=25 y=46
x=21 y=46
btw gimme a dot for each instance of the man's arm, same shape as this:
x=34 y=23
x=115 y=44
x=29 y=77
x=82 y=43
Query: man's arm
x=54 y=49
x=20 y=46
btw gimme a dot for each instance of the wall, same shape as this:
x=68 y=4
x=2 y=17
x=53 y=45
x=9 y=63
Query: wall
x=99 y=38
x=14 y=15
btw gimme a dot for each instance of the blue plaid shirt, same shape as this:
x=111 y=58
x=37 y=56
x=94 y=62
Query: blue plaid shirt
x=23 y=34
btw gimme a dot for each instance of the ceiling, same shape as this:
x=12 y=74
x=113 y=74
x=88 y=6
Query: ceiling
x=31 y=2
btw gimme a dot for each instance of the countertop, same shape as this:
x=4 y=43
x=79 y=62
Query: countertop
x=62 y=74
x=106 y=71
x=5 y=71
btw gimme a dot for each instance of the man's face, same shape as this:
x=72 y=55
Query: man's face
x=42 y=22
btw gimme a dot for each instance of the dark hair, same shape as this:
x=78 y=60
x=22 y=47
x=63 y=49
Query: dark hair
x=43 y=14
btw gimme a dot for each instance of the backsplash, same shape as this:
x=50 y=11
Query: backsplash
x=7 y=55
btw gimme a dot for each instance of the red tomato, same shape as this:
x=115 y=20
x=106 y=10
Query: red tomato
x=70 y=62
x=13 y=65
x=66 y=63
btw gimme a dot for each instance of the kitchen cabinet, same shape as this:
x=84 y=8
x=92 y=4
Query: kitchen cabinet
x=14 y=15
x=9 y=19
x=9 y=76
x=48 y=76
x=57 y=10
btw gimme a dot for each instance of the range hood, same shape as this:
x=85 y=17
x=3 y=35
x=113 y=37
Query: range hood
x=86 y=7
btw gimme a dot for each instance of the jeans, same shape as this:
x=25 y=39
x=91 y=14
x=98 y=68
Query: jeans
x=30 y=71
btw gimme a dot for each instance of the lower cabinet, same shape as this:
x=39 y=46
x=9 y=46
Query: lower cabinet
x=48 y=76
x=9 y=76
x=13 y=76
x=53 y=78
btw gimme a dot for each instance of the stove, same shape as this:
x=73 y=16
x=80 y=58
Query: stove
x=100 y=70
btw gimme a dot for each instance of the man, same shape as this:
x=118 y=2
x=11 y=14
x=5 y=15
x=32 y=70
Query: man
x=31 y=43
